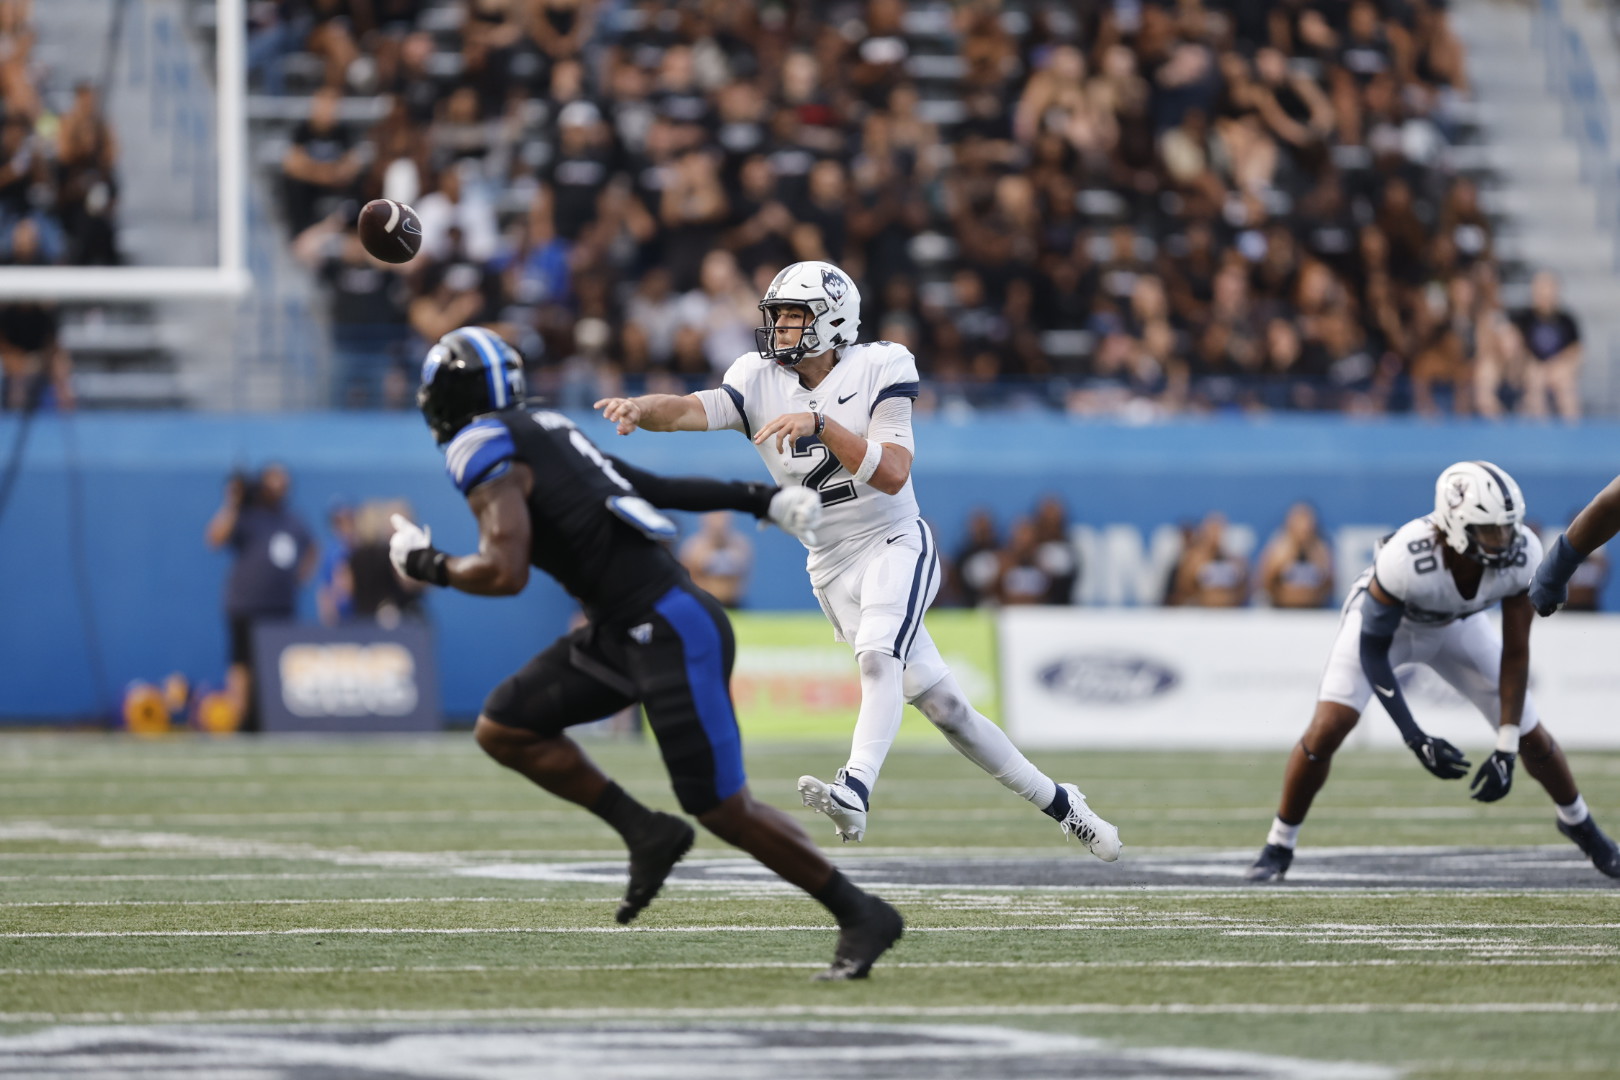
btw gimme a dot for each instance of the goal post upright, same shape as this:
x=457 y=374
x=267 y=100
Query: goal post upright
x=229 y=278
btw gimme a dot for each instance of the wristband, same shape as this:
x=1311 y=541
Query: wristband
x=821 y=422
x=429 y=564
x=1507 y=738
x=870 y=463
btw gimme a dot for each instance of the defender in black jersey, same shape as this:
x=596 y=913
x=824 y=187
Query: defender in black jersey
x=545 y=496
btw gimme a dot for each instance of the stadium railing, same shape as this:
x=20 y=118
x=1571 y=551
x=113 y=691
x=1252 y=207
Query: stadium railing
x=1571 y=76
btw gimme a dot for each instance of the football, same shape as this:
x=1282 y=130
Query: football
x=390 y=230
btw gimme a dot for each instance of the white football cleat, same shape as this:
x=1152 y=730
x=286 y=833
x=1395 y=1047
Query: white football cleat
x=1101 y=838
x=838 y=802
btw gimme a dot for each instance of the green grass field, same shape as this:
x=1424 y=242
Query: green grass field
x=194 y=880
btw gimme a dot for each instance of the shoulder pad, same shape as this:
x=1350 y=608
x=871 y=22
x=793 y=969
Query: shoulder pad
x=481 y=451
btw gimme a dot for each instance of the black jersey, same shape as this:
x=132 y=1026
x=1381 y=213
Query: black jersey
x=602 y=560
x=582 y=531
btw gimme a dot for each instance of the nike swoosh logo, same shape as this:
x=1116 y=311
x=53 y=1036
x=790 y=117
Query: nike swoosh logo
x=844 y=399
x=1381 y=690
x=892 y=539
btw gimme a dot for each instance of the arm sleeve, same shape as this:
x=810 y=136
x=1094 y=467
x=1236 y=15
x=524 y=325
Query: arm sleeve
x=482 y=451
x=891 y=423
x=1378 y=625
x=697 y=493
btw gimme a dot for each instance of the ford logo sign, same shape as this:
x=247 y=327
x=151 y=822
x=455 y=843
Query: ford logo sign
x=1107 y=678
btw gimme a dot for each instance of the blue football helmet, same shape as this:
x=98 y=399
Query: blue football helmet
x=471 y=371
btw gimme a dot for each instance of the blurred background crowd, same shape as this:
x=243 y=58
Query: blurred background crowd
x=1120 y=208
x=58 y=202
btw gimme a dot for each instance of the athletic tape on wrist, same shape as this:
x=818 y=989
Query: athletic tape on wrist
x=1507 y=738
x=870 y=463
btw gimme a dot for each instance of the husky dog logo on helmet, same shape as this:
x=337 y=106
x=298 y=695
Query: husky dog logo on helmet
x=834 y=284
x=1458 y=491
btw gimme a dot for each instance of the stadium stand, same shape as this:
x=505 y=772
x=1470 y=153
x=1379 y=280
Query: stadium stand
x=1097 y=208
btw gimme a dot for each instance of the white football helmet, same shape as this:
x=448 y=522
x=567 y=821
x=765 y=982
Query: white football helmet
x=830 y=296
x=1472 y=495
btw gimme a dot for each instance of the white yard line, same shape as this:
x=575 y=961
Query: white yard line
x=773 y=965
x=839 y=1012
x=1354 y=934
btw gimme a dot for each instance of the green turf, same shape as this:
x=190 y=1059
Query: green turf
x=287 y=859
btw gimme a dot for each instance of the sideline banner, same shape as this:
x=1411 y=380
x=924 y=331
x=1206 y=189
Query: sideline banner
x=793 y=681
x=352 y=678
x=1247 y=679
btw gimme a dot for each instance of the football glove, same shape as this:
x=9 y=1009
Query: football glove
x=1495 y=777
x=798 y=511
x=411 y=551
x=1440 y=757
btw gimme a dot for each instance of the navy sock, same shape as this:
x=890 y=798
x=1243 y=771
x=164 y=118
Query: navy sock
x=860 y=789
x=843 y=898
x=620 y=810
x=1060 y=805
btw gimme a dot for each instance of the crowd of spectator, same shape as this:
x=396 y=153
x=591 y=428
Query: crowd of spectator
x=1122 y=207
x=58 y=200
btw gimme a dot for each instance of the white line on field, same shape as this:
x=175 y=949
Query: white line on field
x=1068 y=927
x=358 y=876
x=457 y=930
x=840 y=1012
x=1016 y=965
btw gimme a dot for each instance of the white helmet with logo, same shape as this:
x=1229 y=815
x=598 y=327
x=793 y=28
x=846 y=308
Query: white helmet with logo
x=1472 y=494
x=830 y=296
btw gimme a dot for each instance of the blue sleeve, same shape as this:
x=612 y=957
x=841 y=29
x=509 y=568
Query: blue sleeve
x=480 y=452
x=1378 y=625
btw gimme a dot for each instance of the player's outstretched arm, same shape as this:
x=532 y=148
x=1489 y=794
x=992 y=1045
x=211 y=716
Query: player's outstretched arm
x=1495 y=777
x=501 y=565
x=699 y=494
x=1381 y=616
x=797 y=510
x=1593 y=527
x=655 y=412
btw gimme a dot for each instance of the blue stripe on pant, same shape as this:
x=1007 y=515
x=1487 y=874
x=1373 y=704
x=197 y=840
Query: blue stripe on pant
x=704 y=656
x=902 y=643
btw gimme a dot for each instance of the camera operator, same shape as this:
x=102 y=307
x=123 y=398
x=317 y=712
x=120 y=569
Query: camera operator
x=274 y=553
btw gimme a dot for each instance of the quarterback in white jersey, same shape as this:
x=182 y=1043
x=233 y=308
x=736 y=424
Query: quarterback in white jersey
x=835 y=416
x=1423 y=603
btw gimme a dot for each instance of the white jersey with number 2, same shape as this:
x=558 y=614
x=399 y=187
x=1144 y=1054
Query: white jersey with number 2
x=869 y=391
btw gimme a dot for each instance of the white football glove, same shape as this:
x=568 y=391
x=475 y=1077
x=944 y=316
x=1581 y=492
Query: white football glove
x=408 y=537
x=797 y=510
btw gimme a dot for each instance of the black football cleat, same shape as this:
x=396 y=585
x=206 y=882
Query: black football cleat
x=1272 y=865
x=863 y=941
x=664 y=842
x=1596 y=843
